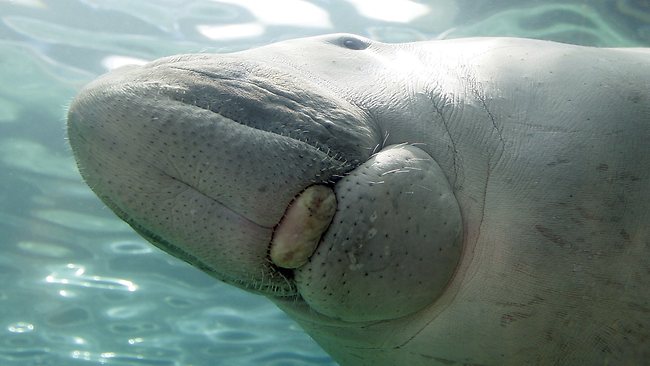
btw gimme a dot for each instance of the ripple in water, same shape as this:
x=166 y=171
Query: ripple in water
x=113 y=358
x=44 y=249
x=74 y=275
x=72 y=316
x=130 y=311
x=21 y=327
x=130 y=247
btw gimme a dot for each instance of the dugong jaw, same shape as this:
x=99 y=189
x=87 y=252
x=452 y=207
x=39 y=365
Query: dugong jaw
x=178 y=154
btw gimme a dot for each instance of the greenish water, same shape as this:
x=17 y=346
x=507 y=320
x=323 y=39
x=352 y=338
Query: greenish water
x=77 y=286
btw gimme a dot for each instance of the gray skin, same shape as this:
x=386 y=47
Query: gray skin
x=493 y=193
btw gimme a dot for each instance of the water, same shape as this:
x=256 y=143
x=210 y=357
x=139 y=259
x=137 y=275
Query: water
x=77 y=286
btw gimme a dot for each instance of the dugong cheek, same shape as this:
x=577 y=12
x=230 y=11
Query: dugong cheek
x=393 y=244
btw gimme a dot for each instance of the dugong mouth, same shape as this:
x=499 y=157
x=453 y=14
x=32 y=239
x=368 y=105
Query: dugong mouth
x=202 y=155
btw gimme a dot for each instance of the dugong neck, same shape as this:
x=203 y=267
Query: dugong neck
x=445 y=106
x=430 y=90
x=426 y=104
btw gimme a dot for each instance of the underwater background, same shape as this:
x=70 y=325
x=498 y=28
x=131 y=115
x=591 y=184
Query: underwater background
x=77 y=285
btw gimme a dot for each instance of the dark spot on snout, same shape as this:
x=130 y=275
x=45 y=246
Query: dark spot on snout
x=353 y=43
x=550 y=235
x=558 y=162
x=625 y=235
x=635 y=97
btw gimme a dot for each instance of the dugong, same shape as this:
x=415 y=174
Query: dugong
x=481 y=201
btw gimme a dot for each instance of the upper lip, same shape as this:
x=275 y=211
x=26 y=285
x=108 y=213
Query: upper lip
x=276 y=91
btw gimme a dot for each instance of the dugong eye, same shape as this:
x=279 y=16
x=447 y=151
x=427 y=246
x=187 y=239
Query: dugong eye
x=353 y=43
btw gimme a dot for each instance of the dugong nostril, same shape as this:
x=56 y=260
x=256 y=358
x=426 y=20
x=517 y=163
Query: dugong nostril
x=298 y=233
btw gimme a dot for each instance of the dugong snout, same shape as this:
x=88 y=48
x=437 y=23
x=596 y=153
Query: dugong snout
x=205 y=160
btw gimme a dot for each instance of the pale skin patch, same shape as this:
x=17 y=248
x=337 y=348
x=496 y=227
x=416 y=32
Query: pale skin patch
x=298 y=233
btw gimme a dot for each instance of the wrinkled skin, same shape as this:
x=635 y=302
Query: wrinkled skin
x=492 y=194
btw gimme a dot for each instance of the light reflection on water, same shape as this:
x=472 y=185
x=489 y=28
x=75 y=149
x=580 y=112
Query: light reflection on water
x=74 y=275
x=77 y=284
x=20 y=327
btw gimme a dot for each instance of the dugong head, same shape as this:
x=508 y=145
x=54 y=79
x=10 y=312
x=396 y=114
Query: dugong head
x=271 y=169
